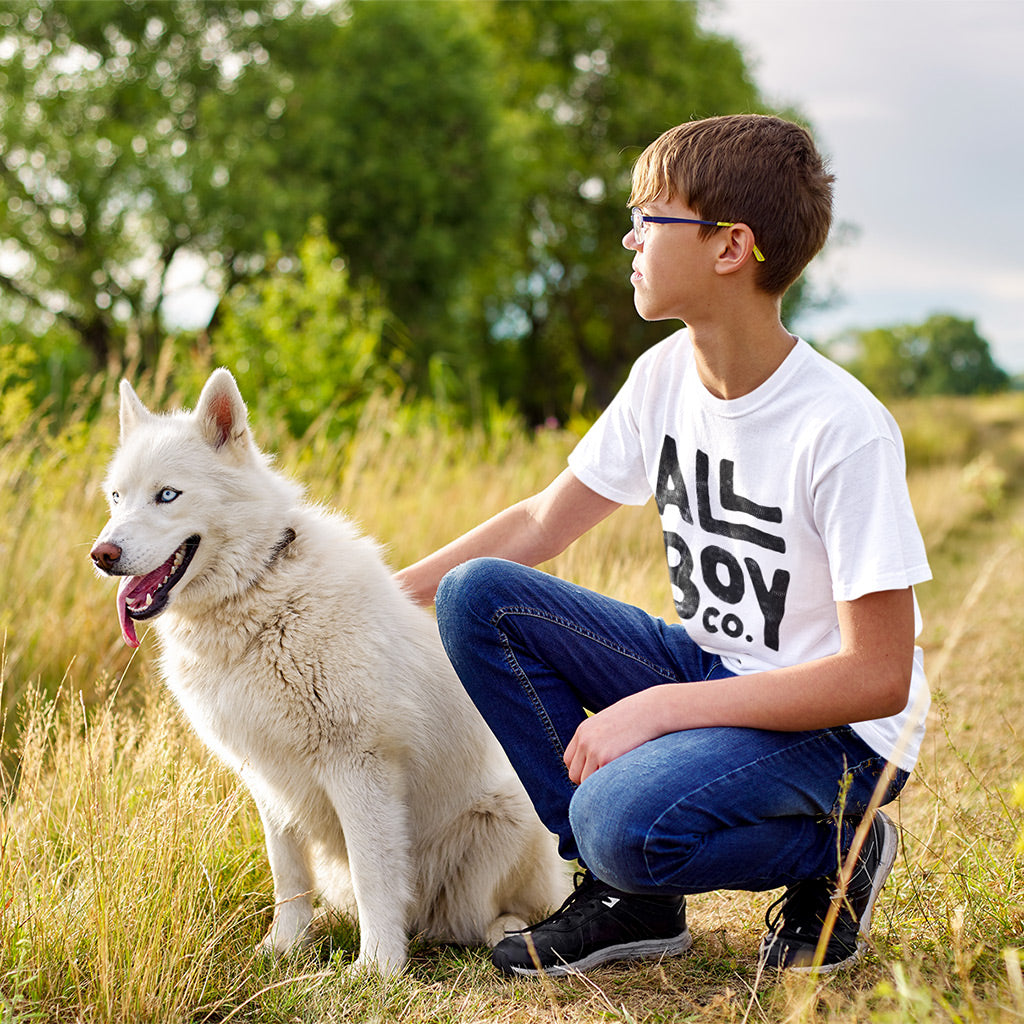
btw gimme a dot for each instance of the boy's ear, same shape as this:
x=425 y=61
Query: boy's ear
x=736 y=248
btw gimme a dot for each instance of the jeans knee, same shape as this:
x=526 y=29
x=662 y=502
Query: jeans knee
x=473 y=591
x=460 y=595
x=625 y=837
x=468 y=599
x=448 y=601
x=468 y=586
x=610 y=836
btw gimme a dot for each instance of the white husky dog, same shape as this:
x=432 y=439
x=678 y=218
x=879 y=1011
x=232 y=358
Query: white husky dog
x=302 y=664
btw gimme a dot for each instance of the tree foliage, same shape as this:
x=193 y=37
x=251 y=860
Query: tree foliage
x=470 y=162
x=945 y=355
x=272 y=330
x=384 y=123
x=587 y=86
x=97 y=155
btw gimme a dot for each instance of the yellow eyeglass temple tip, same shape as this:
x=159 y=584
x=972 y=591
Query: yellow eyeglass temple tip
x=758 y=255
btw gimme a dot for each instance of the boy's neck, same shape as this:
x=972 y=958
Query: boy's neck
x=737 y=356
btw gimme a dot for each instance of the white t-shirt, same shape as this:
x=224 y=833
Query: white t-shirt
x=774 y=506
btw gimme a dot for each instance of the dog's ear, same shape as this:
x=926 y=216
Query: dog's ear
x=133 y=412
x=221 y=412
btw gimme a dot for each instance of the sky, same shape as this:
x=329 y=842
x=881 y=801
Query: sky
x=919 y=105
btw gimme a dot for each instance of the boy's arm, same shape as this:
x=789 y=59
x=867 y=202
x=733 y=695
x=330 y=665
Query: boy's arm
x=869 y=677
x=529 y=532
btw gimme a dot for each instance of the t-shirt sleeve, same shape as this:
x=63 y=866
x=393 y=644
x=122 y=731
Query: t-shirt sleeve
x=863 y=513
x=609 y=457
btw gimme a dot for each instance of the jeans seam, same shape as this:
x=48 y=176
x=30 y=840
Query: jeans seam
x=523 y=678
x=528 y=689
x=575 y=627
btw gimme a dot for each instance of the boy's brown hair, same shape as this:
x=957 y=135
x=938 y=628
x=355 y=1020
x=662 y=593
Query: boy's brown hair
x=753 y=169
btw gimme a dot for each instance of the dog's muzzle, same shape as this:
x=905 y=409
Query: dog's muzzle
x=142 y=597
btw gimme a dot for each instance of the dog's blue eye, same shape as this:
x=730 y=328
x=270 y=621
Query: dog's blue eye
x=166 y=496
x=115 y=497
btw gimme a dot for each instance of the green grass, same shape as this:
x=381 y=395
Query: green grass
x=133 y=882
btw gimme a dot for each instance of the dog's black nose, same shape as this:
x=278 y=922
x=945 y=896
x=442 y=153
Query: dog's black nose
x=105 y=555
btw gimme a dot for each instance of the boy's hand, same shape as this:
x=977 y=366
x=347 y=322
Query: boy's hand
x=625 y=725
x=869 y=677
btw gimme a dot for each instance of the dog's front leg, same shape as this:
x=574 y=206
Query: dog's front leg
x=371 y=807
x=293 y=888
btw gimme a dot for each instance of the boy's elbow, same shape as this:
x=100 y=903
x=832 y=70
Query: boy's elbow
x=893 y=691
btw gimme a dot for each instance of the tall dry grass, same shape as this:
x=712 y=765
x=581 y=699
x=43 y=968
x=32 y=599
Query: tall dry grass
x=133 y=884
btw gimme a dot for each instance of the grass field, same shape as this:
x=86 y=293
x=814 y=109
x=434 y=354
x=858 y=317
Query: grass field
x=133 y=883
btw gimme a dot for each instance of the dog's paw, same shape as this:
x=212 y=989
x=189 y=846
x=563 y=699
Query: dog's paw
x=383 y=958
x=501 y=926
x=278 y=943
x=379 y=967
x=269 y=949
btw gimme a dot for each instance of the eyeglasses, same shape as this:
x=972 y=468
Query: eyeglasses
x=640 y=219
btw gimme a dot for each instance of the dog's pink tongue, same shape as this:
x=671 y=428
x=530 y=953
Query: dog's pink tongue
x=127 y=625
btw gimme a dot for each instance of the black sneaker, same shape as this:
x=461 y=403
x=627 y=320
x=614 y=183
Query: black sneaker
x=793 y=933
x=595 y=925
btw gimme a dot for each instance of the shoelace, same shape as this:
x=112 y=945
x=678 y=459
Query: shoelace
x=810 y=897
x=582 y=881
x=583 y=884
x=801 y=900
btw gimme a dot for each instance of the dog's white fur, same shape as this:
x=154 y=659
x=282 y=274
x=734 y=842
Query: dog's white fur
x=302 y=663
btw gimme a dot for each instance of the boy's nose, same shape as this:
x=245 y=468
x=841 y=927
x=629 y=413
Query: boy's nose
x=629 y=240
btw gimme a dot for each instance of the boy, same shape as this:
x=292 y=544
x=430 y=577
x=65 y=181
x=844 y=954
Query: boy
x=739 y=748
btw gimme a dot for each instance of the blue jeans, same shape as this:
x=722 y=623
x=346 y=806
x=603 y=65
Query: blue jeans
x=692 y=811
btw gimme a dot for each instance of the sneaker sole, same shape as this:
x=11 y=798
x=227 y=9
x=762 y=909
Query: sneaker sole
x=890 y=845
x=645 y=949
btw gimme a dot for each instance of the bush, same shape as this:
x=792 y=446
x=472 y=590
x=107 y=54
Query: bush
x=304 y=344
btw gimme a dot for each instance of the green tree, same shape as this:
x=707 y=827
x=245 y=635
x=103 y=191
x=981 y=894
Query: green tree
x=879 y=359
x=135 y=132
x=956 y=359
x=944 y=355
x=587 y=85
x=471 y=160
x=98 y=122
x=302 y=341
x=385 y=123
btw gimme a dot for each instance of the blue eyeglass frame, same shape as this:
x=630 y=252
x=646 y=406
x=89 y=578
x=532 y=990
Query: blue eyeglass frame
x=640 y=219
